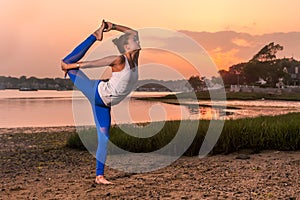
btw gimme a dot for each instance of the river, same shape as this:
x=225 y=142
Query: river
x=45 y=108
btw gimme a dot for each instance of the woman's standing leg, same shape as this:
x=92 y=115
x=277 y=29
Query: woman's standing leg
x=100 y=111
x=102 y=119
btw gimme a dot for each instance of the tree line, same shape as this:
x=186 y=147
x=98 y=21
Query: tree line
x=264 y=69
x=35 y=83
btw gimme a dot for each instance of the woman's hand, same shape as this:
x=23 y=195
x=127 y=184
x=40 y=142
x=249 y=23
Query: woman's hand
x=64 y=66
x=109 y=27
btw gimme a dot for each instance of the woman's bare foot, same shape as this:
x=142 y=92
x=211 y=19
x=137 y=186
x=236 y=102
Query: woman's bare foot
x=99 y=32
x=101 y=180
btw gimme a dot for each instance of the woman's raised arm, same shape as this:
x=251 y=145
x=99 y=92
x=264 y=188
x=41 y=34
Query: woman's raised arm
x=103 y=62
x=121 y=28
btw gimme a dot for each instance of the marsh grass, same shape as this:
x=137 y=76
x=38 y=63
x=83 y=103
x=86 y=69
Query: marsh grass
x=261 y=133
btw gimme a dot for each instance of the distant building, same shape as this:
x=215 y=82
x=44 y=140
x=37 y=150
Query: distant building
x=293 y=70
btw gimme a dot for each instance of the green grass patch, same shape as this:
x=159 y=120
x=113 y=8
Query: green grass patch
x=262 y=133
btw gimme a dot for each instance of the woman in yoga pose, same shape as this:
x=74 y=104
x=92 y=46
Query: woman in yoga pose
x=102 y=95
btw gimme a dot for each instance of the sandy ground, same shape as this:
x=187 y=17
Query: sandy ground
x=35 y=164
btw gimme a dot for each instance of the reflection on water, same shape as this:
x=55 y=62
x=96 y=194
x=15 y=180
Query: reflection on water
x=208 y=113
x=241 y=109
x=54 y=108
x=194 y=109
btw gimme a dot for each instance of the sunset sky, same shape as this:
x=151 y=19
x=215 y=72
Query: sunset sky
x=36 y=34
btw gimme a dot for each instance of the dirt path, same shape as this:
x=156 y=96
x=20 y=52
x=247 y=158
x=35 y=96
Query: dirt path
x=37 y=165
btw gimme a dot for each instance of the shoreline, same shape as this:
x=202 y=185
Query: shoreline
x=35 y=164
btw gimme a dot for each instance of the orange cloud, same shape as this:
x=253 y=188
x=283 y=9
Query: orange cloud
x=172 y=61
x=241 y=42
x=224 y=59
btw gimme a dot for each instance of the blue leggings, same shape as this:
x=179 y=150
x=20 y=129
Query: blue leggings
x=89 y=88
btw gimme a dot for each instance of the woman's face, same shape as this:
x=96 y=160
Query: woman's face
x=133 y=43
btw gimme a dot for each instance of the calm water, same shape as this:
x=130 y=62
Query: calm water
x=56 y=108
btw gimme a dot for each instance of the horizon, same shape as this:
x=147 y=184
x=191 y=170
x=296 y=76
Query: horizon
x=145 y=79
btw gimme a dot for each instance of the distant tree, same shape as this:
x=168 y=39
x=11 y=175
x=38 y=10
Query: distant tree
x=264 y=65
x=270 y=71
x=217 y=80
x=237 y=69
x=227 y=77
x=237 y=73
x=22 y=78
x=32 y=78
x=267 y=53
x=234 y=76
x=197 y=83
